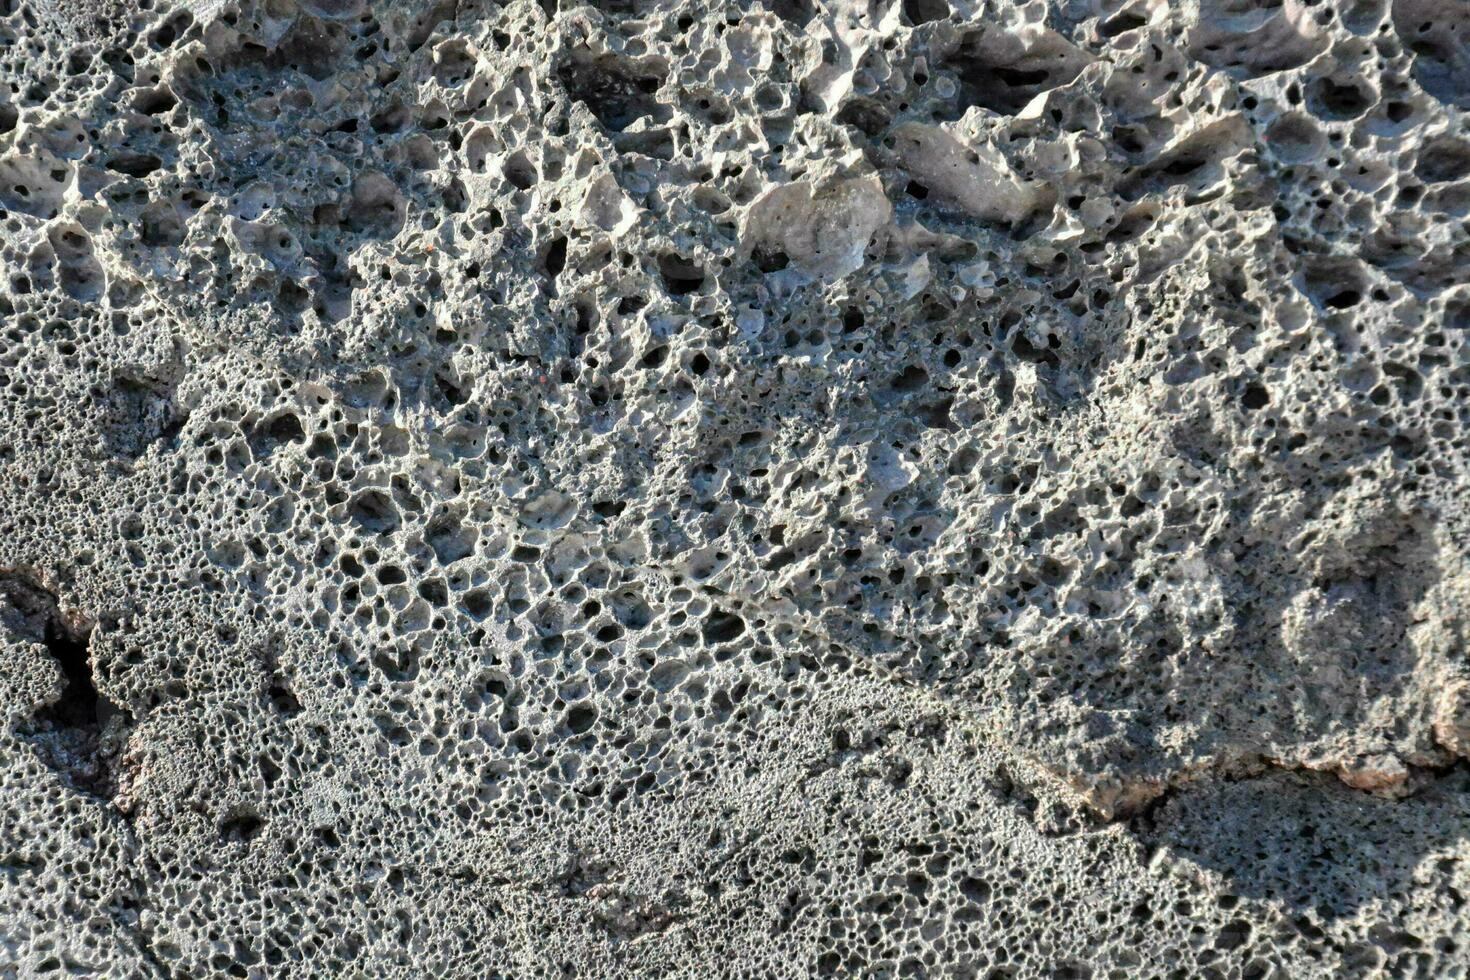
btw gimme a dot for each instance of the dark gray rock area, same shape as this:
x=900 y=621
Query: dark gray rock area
x=663 y=488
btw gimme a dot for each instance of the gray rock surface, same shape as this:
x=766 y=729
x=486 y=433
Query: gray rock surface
x=804 y=487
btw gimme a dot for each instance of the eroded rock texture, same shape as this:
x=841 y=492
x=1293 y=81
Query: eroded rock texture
x=810 y=487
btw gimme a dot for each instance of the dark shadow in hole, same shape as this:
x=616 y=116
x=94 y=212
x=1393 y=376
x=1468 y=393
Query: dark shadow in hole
x=769 y=260
x=241 y=827
x=680 y=275
x=374 y=511
x=1004 y=80
x=721 y=627
x=1310 y=843
x=1339 y=99
x=1334 y=283
x=1196 y=162
x=1120 y=24
x=134 y=164
x=68 y=733
x=613 y=90
x=923 y=11
x=79 y=702
x=798 y=12
x=270 y=434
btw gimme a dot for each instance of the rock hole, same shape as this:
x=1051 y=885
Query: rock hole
x=1457 y=314
x=274 y=433
x=923 y=11
x=680 y=275
x=556 y=257
x=912 y=378
x=456 y=197
x=1233 y=935
x=373 y=511
x=377 y=208
x=393 y=119
x=281 y=698
x=798 y=12
x=171 y=30
x=1023 y=348
x=477 y=604
x=450 y=539
x=79 y=702
x=453 y=63
x=154 y=101
x=1004 y=83
x=1339 y=99
x=1295 y=138
x=134 y=164
x=631 y=611
x=1443 y=160
x=721 y=627
x=1433 y=31
x=580 y=718
x=1249 y=45
x=866 y=115
x=1183 y=167
x=519 y=172
x=975 y=889
x=68 y=733
x=241 y=827
x=161 y=227
x=1334 y=284
x=770 y=260
x=1120 y=24
x=612 y=91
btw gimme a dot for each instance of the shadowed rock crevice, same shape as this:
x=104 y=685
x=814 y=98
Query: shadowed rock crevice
x=73 y=731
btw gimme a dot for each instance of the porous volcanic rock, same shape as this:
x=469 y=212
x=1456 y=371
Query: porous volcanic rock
x=664 y=488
